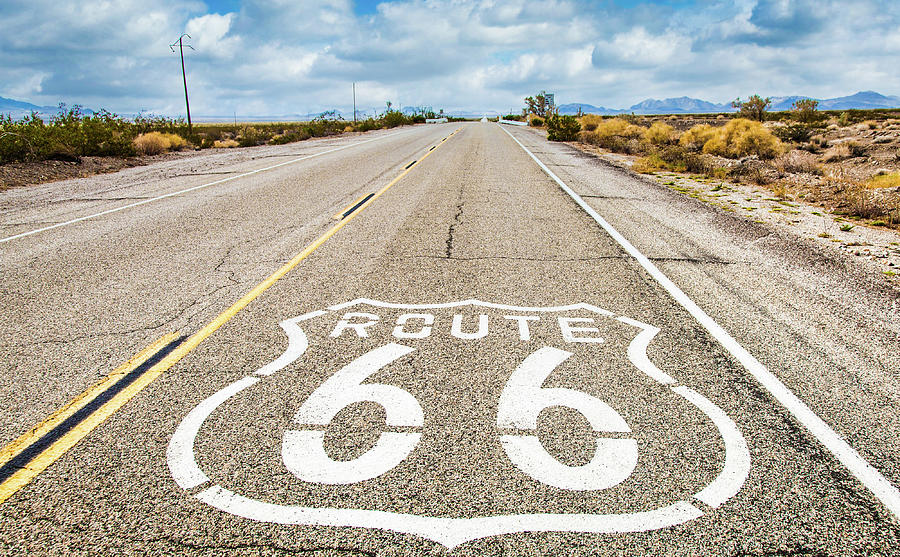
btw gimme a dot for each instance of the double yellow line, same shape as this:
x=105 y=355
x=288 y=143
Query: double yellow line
x=33 y=452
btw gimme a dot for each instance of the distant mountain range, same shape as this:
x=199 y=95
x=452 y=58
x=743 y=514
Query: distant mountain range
x=679 y=105
x=688 y=105
x=22 y=108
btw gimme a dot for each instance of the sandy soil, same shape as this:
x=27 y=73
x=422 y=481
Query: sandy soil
x=879 y=247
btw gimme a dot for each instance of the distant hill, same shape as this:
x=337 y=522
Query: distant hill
x=688 y=105
x=572 y=108
x=863 y=99
x=21 y=108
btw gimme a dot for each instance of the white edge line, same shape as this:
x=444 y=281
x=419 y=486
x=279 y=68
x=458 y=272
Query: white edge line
x=188 y=190
x=870 y=477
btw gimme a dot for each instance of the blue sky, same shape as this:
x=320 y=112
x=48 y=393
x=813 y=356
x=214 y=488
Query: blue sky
x=282 y=57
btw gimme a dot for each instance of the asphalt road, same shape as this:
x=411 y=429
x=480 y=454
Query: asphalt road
x=473 y=360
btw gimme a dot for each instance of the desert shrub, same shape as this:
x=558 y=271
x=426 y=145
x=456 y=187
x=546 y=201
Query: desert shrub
x=589 y=122
x=366 y=125
x=562 y=128
x=794 y=133
x=683 y=160
x=806 y=111
x=291 y=136
x=176 y=142
x=796 y=162
x=225 y=144
x=836 y=153
x=536 y=122
x=251 y=136
x=152 y=143
x=740 y=138
x=616 y=135
x=695 y=138
x=843 y=151
x=660 y=134
x=754 y=108
x=393 y=118
x=650 y=164
x=863 y=200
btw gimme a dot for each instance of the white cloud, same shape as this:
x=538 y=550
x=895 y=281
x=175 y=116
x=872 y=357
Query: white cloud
x=284 y=56
x=210 y=31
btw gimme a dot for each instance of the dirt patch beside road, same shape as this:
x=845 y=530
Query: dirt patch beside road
x=20 y=174
x=878 y=247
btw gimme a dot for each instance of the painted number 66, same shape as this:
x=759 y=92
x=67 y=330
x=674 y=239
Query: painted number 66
x=521 y=401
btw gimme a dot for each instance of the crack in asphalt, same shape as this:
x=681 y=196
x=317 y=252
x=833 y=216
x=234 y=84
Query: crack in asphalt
x=450 y=231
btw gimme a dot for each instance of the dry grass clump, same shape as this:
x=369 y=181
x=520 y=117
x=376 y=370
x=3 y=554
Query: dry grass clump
x=836 y=153
x=660 y=134
x=869 y=200
x=742 y=137
x=843 y=151
x=154 y=143
x=696 y=137
x=650 y=164
x=225 y=144
x=795 y=162
x=884 y=181
x=615 y=134
x=589 y=122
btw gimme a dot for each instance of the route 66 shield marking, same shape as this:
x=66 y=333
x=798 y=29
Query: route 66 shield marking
x=463 y=431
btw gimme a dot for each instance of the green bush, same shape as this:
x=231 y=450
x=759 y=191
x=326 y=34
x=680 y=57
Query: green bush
x=806 y=111
x=562 y=128
x=536 y=122
x=794 y=133
x=754 y=108
x=394 y=118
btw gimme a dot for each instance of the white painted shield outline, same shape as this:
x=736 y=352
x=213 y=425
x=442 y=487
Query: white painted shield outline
x=452 y=532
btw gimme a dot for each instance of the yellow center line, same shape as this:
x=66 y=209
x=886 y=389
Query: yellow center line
x=49 y=455
x=27 y=473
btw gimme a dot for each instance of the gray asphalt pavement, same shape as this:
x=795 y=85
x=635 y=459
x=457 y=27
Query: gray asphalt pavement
x=472 y=364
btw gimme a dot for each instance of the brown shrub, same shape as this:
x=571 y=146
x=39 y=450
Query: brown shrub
x=225 y=144
x=842 y=151
x=865 y=200
x=797 y=162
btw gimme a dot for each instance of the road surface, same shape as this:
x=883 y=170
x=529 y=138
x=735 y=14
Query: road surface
x=447 y=338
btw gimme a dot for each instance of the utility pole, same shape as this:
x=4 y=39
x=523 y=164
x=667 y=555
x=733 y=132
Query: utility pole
x=354 y=102
x=184 y=75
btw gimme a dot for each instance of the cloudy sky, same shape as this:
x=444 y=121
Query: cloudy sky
x=274 y=57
